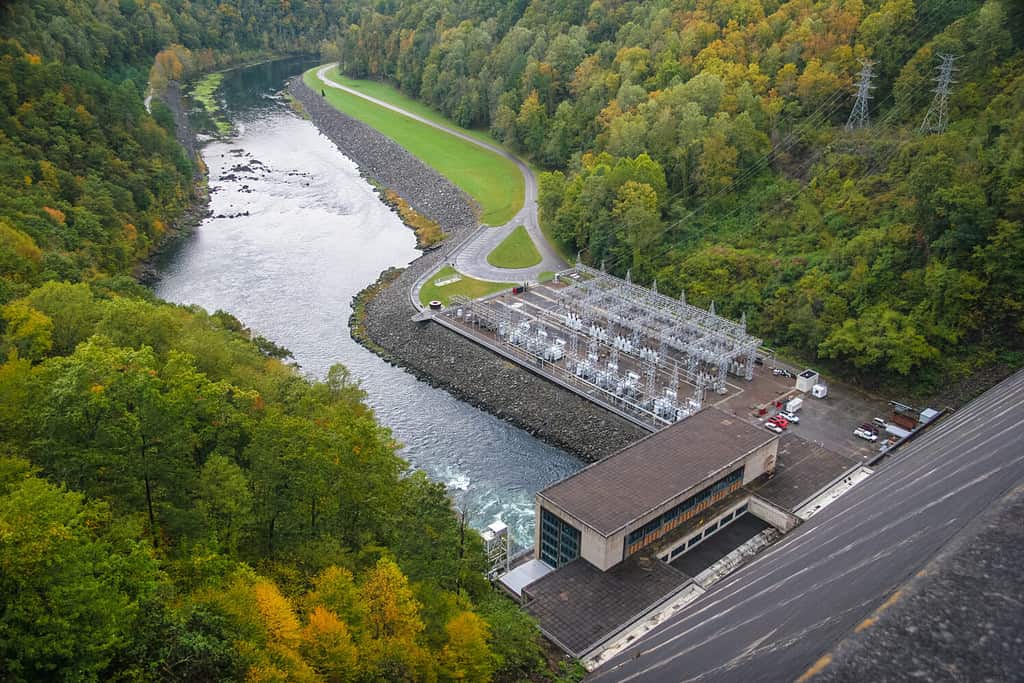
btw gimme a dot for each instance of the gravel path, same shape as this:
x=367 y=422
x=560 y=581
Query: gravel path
x=432 y=353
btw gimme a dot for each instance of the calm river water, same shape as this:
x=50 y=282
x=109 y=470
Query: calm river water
x=311 y=234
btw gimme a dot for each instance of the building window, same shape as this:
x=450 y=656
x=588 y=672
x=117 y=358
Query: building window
x=693 y=541
x=559 y=540
x=686 y=510
x=741 y=509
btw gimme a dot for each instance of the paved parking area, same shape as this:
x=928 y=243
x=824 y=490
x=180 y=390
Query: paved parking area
x=827 y=422
x=830 y=422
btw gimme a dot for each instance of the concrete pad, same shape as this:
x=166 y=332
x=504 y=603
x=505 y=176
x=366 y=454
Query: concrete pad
x=802 y=469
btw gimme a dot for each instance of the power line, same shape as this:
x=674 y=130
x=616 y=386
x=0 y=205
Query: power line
x=937 y=116
x=860 y=116
x=801 y=130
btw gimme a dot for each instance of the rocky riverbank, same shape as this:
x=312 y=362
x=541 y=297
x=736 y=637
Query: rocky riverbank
x=382 y=323
x=199 y=203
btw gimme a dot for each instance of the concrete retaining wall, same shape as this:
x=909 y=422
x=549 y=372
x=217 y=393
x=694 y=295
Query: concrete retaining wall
x=780 y=519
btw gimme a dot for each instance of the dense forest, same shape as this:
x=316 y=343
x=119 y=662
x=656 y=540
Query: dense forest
x=176 y=505
x=177 y=502
x=701 y=144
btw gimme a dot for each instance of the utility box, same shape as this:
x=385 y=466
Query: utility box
x=794 y=404
x=806 y=380
x=819 y=391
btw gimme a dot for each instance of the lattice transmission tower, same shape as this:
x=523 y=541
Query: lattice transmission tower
x=937 y=116
x=860 y=116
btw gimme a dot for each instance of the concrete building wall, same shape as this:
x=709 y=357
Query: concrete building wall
x=605 y=553
x=760 y=460
x=780 y=519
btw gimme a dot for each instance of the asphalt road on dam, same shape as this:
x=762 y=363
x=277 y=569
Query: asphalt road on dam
x=776 y=617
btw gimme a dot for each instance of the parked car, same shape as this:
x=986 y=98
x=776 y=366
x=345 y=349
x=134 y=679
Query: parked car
x=865 y=434
x=868 y=427
x=772 y=427
x=791 y=417
x=780 y=421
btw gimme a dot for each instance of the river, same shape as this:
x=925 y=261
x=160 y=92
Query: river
x=301 y=233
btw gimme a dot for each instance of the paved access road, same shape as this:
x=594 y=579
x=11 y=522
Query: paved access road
x=472 y=257
x=774 y=619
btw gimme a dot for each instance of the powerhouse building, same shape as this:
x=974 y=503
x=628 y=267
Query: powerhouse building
x=633 y=498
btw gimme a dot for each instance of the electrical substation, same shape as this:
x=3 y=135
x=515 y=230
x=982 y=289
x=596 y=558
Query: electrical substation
x=650 y=358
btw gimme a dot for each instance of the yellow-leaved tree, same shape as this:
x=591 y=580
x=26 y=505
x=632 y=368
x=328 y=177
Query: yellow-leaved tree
x=327 y=646
x=390 y=648
x=466 y=656
x=270 y=630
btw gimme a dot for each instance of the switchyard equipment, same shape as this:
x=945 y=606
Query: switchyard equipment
x=643 y=355
x=667 y=334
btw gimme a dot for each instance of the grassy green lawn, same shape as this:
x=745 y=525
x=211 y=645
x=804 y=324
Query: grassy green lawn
x=515 y=251
x=467 y=286
x=493 y=181
x=391 y=95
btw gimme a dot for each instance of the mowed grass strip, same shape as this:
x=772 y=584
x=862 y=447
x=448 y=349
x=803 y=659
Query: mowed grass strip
x=467 y=286
x=391 y=95
x=515 y=251
x=492 y=180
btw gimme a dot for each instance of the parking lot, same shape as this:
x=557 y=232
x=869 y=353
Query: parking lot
x=827 y=422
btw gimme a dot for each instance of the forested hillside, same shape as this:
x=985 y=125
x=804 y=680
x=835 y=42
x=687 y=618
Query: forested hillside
x=701 y=143
x=176 y=501
x=120 y=38
x=174 y=505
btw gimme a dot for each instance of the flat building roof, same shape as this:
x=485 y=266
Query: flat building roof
x=626 y=485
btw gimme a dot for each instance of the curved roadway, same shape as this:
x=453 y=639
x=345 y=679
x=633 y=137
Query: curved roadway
x=471 y=257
